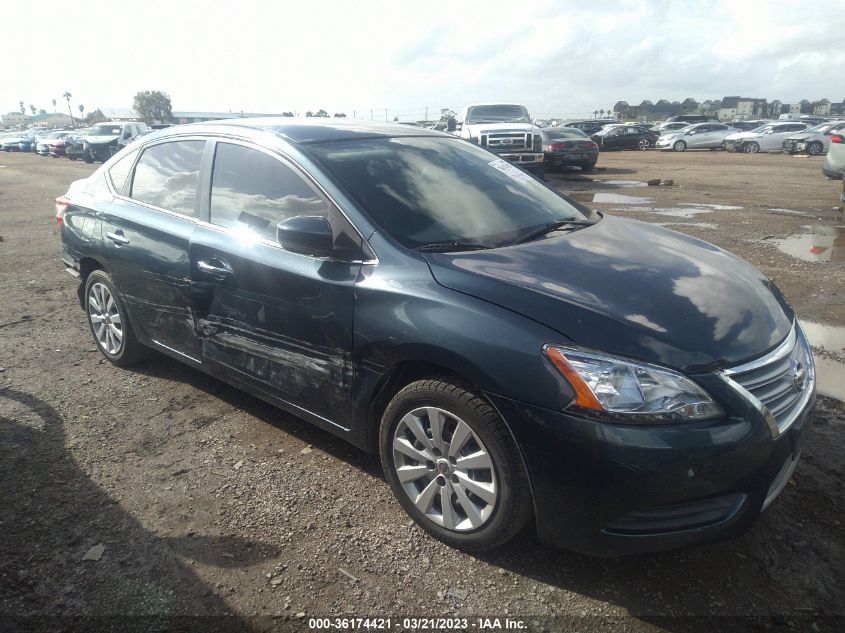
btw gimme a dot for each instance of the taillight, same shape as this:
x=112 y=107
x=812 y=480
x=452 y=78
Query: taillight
x=837 y=138
x=61 y=206
x=559 y=146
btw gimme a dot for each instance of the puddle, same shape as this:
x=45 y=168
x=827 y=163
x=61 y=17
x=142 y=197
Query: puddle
x=714 y=207
x=787 y=211
x=830 y=364
x=618 y=198
x=818 y=244
x=624 y=183
x=700 y=225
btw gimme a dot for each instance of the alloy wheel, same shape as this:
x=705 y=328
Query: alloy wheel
x=445 y=469
x=643 y=143
x=815 y=148
x=752 y=148
x=105 y=319
x=679 y=146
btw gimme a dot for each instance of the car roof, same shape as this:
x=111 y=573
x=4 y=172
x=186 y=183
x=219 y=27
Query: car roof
x=306 y=131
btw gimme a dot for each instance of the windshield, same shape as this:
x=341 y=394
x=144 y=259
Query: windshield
x=105 y=130
x=762 y=129
x=503 y=113
x=425 y=191
x=563 y=133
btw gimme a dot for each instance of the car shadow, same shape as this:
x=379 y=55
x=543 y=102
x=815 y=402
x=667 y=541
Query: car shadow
x=72 y=559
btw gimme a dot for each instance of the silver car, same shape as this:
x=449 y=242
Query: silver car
x=697 y=136
x=834 y=163
x=766 y=138
x=814 y=141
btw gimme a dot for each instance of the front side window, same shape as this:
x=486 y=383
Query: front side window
x=251 y=190
x=426 y=191
x=167 y=176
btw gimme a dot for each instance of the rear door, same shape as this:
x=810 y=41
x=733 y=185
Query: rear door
x=278 y=321
x=146 y=235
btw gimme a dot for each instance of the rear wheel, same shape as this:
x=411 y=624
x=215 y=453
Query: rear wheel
x=587 y=168
x=751 y=148
x=679 y=146
x=815 y=148
x=643 y=143
x=453 y=464
x=109 y=322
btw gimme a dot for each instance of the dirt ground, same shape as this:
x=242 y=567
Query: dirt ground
x=210 y=503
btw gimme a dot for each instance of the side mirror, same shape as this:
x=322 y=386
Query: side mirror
x=307 y=235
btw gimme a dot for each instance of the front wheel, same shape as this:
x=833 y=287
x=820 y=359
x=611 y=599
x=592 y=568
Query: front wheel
x=751 y=148
x=679 y=146
x=643 y=143
x=453 y=464
x=815 y=148
x=108 y=321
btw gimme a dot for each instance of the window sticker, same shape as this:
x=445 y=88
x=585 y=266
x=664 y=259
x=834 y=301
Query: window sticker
x=511 y=170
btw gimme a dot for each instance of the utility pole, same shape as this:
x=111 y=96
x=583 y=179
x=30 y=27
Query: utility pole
x=371 y=114
x=385 y=115
x=353 y=115
x=426 y=113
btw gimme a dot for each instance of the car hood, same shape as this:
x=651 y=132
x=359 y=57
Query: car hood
x=476 y=129
x=96 y=140
x=632 y=289
x=736 y=136
x=800 y=137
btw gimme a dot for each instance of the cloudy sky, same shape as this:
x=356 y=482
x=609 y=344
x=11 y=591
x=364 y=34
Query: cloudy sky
x=560 y=58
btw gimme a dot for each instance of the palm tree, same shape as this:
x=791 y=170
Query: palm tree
x=601 y=112
x=33 y=109
x=67 y=96
x=595 y=114
x=23 y=110
x=81 y=110
x=54 y=106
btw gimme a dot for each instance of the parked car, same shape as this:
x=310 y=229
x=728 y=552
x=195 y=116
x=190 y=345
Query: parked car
x=567 y=146
x=589 y=126
x=745 y=126
x=664 y=128
x=513 y=353
x=689 y=118
x=766 y=138
x=105 y=139
x=814 y=141
x=697 y=136
x=834 y=162
x=75 y=146
x=506 y=130
x=43 y=140
x=624 y=137
x=57 y=148
x=17 y=142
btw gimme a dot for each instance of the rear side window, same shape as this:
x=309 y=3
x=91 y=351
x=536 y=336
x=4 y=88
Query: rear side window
x=119 y=172
x=255 y=191
x=167 y=176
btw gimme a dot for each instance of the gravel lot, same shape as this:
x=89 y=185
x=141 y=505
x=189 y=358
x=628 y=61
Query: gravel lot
x=208 y=502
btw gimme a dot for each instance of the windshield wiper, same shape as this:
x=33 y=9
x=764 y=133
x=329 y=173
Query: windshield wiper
x=444 y=247
x=548 y=228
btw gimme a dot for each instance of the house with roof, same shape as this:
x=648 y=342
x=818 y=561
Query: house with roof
x=13 y=119
x=821 y=107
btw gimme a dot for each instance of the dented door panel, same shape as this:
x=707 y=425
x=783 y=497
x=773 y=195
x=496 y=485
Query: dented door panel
x=282 y=321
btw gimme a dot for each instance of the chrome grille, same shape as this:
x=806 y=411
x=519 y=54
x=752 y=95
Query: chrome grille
x=507 y=141
x=781 y=382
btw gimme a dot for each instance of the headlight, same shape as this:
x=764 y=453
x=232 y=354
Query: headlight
x=631 y=392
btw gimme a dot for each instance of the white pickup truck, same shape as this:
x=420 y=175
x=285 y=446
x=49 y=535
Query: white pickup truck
x=505 y=129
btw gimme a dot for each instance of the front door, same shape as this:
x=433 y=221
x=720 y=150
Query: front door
x=146 y=232
x=276 y=320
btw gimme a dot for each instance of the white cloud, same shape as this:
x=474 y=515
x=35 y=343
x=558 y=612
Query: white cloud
x=558 y=58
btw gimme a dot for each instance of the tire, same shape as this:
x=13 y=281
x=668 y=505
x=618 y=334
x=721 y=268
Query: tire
x=724 y=146
x=103 y=307
x=587 y=168
x=472 y=522
x=751 y=148
x=679 y=146
x=815 y=148
x=643 y=144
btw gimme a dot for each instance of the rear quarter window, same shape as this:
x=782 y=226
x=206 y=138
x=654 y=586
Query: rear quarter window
x=167 y=176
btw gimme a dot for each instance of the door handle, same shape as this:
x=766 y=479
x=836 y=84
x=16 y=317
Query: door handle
x=219 y=269
x=117 y=237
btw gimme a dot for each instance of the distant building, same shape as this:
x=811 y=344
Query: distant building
x=120 y=114
x=13 y=119
x=56 y=119
x=727 y=108
x=837 y=109
x=821 y=108
x=198 y=117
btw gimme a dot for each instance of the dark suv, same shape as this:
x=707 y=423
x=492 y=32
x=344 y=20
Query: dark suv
x=509 y=353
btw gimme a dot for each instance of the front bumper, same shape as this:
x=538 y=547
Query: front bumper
x=606 y=489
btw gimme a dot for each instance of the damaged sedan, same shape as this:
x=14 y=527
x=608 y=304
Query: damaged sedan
x=515 y=358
